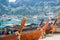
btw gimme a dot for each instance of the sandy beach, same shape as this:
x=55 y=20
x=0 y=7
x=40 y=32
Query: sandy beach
x=52 y=37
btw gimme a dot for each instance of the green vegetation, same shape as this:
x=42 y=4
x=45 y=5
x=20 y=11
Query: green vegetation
x=57 y=15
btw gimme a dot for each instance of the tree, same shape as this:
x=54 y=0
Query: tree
x=57 y=15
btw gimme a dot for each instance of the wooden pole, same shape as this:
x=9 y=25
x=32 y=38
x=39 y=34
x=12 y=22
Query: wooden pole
x=39 y=25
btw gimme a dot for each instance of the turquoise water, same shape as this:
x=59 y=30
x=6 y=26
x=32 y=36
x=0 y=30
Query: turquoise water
x=29 y=21
x=18 y=21
x=2 y=26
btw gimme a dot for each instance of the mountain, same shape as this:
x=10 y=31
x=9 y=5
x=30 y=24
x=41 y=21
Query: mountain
x=28 y=7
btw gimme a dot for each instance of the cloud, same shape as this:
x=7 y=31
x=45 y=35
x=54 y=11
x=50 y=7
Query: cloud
x=28 y=0
x=12 y=0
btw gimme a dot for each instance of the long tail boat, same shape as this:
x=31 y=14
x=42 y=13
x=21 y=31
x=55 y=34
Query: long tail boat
x=26 y=35
x=13 y=36
x=52 y=27
x=8 y=37
x=44 y=28
x=32 y=34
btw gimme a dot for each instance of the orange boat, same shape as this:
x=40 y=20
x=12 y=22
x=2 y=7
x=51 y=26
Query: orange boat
x=13 y=36
x=32 y=34
x=26 y=35
x=44 y=28
x=8 y=37
x=52 y=28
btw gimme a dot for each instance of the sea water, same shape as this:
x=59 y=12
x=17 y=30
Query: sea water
x=17 y=22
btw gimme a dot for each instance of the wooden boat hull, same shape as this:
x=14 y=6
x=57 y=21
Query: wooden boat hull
x=48 y=30
x=32 y=35
x=35 y=35
x=8 y=37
